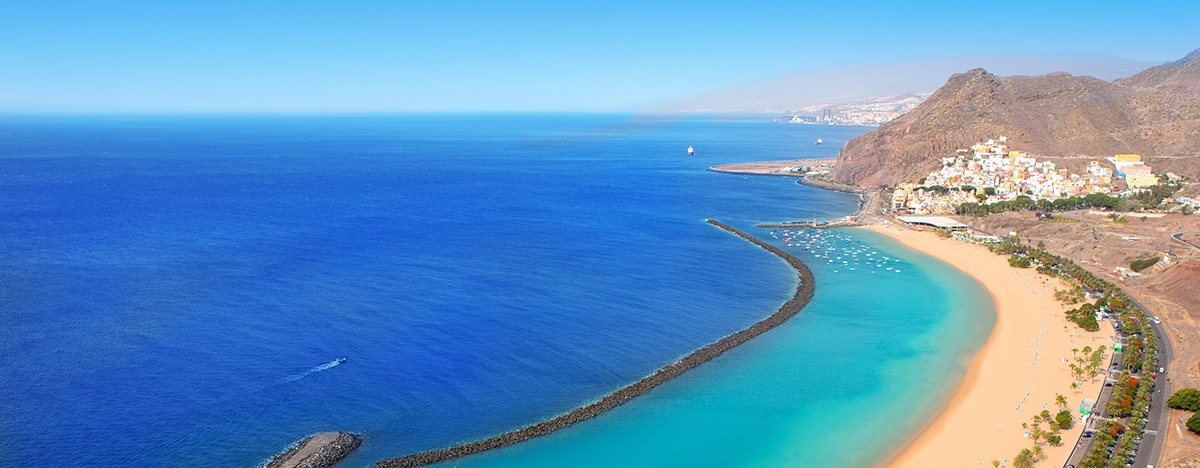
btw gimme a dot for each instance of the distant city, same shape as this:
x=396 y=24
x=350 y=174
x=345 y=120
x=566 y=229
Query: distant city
x=868 y=112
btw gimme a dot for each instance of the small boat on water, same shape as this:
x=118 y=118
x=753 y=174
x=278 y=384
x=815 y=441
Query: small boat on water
x=818 y=141
x=691 y=151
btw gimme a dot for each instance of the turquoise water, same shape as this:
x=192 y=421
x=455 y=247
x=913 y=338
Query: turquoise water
x=845 y=383
x=174 y=288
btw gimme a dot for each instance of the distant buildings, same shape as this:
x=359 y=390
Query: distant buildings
x=1136 y=174
x=871 y=112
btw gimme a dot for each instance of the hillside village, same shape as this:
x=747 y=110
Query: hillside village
x=991 y=172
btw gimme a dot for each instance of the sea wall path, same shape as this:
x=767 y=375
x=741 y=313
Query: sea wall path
x=804 y=292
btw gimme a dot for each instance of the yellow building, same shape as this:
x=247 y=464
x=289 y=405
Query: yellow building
x=1141 y=181
x=1128 y=158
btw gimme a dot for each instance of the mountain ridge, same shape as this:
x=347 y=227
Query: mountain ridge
x=1153 y=112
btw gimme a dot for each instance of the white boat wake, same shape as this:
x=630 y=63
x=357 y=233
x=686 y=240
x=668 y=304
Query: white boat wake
x=326 y=366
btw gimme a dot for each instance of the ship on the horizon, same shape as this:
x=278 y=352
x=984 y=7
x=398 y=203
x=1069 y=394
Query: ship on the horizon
x=691 y=151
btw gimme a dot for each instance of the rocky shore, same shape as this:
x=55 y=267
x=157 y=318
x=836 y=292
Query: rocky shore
x=815 y=182
x=804 y=292
x=317 y=451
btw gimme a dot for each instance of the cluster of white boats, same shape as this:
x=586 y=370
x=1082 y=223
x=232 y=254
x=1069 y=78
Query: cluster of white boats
x=837 y=249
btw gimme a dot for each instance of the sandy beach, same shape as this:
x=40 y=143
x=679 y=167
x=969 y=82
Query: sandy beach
x=1017 y=373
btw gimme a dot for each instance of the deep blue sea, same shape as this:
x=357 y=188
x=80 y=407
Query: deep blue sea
x=176 y=291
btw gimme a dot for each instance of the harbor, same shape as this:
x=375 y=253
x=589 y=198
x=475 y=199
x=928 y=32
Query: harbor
x=848 y=221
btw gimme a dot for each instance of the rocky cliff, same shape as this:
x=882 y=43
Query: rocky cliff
x=1155 y=112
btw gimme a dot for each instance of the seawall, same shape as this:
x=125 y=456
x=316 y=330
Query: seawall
x=804 y=292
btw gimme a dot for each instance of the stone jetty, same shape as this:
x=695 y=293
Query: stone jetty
x=317 y=451
x=804 y=292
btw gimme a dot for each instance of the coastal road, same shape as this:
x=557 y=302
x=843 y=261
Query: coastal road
x=1084 y=444
x=1150 y=452
x=1179 y=238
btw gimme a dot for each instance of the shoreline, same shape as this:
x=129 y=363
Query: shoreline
x=804 y=291
x=1014 y=375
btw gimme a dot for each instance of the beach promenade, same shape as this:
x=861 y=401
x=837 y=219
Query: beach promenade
x=1017 y=373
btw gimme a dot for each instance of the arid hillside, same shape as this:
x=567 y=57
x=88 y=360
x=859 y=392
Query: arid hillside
x=1154 y=113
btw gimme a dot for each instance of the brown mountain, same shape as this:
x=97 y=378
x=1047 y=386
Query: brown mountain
x=1155 y=112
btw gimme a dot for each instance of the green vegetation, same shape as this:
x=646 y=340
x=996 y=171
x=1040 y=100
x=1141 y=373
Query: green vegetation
x=1154 y=196
x=1139 y=265
x=1185 y=399
x=1060 y=219
x=1024 y=459
x=1121 y=402
x=1025 y=202
x=1064 y=419
x=1193 y=423
x=1016 y=261
x=1069 y=296
x=1131 y=397
x=1085 y=317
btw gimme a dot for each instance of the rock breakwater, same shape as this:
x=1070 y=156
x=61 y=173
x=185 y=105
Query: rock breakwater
x=317 y=451
x=804 y=292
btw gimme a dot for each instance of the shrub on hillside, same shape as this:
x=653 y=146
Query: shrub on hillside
x=1193 y=423
x=1139 y=265
x=1185 y=399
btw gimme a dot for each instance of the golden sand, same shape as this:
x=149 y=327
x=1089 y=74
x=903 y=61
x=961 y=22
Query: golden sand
x=1017 y=373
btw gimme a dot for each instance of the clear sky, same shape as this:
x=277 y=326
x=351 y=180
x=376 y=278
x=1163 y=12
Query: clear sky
x=514 y=55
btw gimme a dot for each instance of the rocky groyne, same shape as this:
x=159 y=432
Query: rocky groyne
x=804 y=292
x=317 y=451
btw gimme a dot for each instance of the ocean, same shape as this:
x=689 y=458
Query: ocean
x=179 y=290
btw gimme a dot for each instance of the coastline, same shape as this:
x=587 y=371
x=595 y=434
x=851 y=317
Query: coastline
x=1015 y=374
x=804 y=291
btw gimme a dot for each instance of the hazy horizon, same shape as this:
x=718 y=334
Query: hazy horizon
x=538 y=56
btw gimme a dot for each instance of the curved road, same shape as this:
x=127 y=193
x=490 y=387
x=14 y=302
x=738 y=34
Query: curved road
x=1179 y=238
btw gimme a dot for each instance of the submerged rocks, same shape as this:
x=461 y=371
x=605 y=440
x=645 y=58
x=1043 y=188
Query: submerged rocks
x=804 y=292
x=317 y=451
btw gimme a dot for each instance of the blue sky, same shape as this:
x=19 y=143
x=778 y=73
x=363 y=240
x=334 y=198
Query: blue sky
x=318 y=56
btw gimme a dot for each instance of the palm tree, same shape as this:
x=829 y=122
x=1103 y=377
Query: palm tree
x=1061 y=401
x=1024 y=459
x=1074 y=385
x=995 y=463
x=1074 y=351
x=1038 y=452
